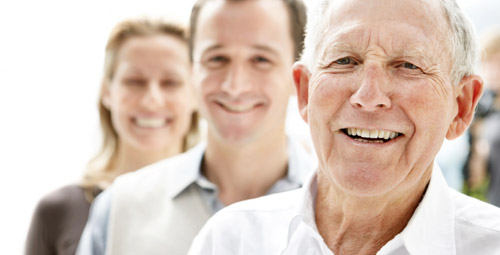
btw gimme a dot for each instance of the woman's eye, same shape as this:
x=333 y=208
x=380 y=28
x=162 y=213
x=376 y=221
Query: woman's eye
x=170 y=83
x=345 y=61
x=134 y=82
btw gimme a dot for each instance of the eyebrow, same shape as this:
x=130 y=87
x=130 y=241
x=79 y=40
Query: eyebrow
x=414 y=52
x=256 y=46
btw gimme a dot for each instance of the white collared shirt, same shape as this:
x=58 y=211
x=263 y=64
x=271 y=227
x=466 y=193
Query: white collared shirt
x=445 y=222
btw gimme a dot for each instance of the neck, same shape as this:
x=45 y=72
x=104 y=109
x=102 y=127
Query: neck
x=244 y=171
x=361 y=225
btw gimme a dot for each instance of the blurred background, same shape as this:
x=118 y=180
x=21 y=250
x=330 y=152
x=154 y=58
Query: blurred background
x=51 y=56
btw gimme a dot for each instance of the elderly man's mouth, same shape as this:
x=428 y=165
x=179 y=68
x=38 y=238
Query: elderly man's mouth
x=370 y=136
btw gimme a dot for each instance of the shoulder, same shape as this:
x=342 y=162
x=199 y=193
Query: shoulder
x=168 y=167
x=255 y=226
x=55 y=204
x=477 y=224
x=254 y=215
x=473 y=211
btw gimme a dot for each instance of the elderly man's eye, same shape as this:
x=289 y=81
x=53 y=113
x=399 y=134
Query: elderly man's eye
x=409 y=65
x=345 y=61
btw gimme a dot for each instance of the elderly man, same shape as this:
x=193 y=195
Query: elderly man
x=242 y=53
x=382 y=84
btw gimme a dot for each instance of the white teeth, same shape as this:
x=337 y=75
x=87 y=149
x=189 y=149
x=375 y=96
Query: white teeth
x=150 y=122
x=387 y=134
x=238 y=108
x=365 y=133
x=392 y=135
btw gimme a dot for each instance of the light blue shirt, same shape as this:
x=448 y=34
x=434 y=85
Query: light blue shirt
x=94 y=237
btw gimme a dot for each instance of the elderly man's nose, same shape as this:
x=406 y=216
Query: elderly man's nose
x=237 y=80
x=371 y=94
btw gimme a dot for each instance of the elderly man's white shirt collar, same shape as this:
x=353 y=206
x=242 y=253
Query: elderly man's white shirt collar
x=429 y=231
x=181 y=180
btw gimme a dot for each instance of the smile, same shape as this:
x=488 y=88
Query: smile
x=150 y=122
x=370 y=136
x=238 y=108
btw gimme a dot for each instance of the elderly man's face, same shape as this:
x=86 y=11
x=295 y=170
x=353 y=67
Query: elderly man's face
x=380 y=99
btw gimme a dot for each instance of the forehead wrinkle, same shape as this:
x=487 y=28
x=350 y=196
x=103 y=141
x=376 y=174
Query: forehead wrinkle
x=339 y=41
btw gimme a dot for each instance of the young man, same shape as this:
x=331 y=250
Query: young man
x=242 y=53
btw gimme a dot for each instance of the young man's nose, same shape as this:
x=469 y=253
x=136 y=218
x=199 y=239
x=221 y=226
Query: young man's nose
x=237 y=80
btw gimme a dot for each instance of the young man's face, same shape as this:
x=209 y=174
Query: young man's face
x=243 y=53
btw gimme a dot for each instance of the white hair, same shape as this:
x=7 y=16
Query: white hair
x=462 y=38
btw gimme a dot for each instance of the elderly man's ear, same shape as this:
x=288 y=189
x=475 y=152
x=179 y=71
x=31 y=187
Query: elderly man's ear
x=467 y=96
x=301 y=80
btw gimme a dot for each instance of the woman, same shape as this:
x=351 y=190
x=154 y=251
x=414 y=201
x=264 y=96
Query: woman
x=147 y=113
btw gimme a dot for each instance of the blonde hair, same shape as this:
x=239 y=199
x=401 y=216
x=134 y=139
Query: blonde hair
x=99 y=172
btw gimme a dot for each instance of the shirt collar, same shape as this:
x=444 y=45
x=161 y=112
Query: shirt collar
x=185 y=169
x=304 y=209
x=429 y=231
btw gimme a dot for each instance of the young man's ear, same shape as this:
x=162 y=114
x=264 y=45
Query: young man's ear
x=301 y=80
x=469 y=91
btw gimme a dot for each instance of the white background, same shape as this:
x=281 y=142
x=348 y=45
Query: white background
x=51 y=55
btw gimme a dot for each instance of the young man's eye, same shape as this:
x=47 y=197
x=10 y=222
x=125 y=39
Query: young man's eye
x=261 y=63
x=216 y=61
x=261 y=60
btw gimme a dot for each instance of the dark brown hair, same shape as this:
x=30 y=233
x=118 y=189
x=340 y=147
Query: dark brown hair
x=297 y=19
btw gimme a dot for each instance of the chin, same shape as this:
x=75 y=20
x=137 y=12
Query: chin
x=366 y=183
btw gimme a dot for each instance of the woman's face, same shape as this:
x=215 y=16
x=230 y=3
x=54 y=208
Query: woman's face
x=149 y=96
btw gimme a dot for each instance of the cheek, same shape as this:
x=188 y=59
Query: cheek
x=327 y=96
x=123 y=98
x=430 y=114
x=428 y=107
